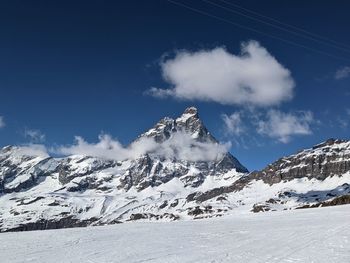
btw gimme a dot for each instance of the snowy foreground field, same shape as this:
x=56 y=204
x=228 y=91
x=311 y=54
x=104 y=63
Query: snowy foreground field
x=310 y=235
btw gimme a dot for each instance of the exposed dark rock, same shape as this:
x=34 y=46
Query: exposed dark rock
x=227 y=162
x=221 y=198
x=193 y=180
x=165 y=203
x=175 y=203
x=195 y=211
x=340 y=200
x=54 y=203
x=43 y=224
x=191 y=197
x=272 y=201
x=260 y=208
x=24 y=202
x=139 y=216
x=170 y=216
x=114 y=221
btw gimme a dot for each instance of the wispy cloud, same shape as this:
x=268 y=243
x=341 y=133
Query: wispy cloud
x=35 y=136
x=33 y=149
x=2 y=122
x=342 y=73
x=253 y=78
x=342 y=122
x=233 y=123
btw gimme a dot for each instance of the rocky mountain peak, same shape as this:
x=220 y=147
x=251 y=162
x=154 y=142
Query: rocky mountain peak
x=189 y=122
x=190 y=112
x=190 y=116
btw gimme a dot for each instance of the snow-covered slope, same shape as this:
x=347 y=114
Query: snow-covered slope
x=187 y=176
x=308 y=235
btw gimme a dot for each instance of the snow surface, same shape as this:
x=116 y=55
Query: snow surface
x=308 y=235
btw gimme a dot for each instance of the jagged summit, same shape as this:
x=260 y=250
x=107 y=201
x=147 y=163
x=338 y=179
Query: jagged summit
x=190 y=112
x=189 y=122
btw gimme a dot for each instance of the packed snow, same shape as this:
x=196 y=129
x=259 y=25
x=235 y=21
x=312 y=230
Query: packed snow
x=307 y=235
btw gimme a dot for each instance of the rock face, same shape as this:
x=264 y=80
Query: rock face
x=330 y=158
x=41 y=192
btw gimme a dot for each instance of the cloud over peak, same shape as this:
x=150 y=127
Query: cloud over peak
x=252 y=78
x=180 y=146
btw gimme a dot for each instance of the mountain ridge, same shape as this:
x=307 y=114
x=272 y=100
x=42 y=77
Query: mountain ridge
x=42 y=192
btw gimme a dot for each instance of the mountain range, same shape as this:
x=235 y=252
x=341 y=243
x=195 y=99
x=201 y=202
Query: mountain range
x=182 y=172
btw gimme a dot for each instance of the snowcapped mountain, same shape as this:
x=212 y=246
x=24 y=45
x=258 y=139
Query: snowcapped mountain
x=40 y=192
x=184 y=174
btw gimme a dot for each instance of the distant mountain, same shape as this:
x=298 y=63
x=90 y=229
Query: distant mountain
x=313 y=177
x=188 y=175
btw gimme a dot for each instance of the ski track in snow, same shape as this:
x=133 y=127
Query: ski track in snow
x=307 y=235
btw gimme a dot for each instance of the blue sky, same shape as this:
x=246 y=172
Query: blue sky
x=72 y=68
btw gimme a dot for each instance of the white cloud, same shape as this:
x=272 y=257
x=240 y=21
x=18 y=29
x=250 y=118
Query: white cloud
x=34 y=136
x=233 y=123
x=33 y=150
x=282 y=126
x=180 y=146
x=342 y=73
x=253 y=78
x=2 y=122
